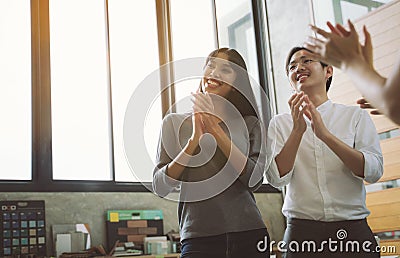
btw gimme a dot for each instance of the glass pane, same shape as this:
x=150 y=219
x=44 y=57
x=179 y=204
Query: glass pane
x=323 y=12
x=236 y=30
x=352 y=11
x=79 y=91
x=193 y=35
x=134 y=55
x=345 y=9
x=15 y=97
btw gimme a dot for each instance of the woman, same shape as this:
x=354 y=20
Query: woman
x=218 y=215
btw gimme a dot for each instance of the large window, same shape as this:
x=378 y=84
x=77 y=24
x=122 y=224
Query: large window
x=340 y=11
x=64 y=104
x=193 y=35
x=15 y=97
x=134 y=55
x=79 y=91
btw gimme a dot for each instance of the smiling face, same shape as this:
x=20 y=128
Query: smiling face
x=305 y=73
x=219 y=76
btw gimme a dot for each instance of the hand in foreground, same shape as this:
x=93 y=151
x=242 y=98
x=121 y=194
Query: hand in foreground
x=340 y=47
x=363 y=103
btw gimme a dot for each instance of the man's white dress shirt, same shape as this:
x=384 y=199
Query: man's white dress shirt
x=319 y=186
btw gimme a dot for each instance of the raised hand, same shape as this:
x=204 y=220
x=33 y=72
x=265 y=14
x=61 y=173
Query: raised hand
x=197 y=123
x=363 y=103
x=203 y=104
x=340 y=47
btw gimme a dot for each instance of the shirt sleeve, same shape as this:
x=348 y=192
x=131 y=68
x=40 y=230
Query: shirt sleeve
x=367 y=142
x=275 y=143
x=162 y=183
x=253 y=174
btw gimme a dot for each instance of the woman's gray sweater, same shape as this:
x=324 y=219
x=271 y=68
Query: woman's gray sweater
x=213 y=202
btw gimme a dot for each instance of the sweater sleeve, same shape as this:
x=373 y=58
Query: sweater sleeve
x=162 y=183
x=252 y=176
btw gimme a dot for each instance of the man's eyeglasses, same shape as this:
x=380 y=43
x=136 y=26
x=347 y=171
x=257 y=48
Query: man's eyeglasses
x=304 y=62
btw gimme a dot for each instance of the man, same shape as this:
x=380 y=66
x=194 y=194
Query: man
x=323 y=152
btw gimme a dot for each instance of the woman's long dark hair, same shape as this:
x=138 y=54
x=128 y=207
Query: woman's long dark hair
x=244 y=100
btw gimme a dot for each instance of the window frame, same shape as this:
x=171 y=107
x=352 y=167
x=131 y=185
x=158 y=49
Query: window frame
x=41 y=104
x=337 y=8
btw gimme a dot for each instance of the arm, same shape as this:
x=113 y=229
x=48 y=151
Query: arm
x=354 y=159
x=283 y=154
x=203 y=103
x=162 y=183
x=275 y=143
x=343 y=50
x=367 y=142
x=248 y=166
x=178 y=164
x=285 y=159
x=168 y=171
x=389 y=94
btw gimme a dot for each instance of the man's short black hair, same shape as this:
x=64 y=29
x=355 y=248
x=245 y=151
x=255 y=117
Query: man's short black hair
x=297 y=49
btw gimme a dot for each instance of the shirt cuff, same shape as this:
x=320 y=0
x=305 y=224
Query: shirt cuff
x=274 y=177
x=373 y=167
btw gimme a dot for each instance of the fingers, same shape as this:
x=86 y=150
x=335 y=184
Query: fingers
x=361 y=101
x=351 y=26
x=334 y=29
x=367 y=48
x=367 y=35
x=316 y=46
x=316 y=55
x=319 y=31
x=343 y=31
x=364 y=103
x=375 y=112
x=294 y=99
x=313 y=48
x=296 y=104
x=310 y=107
x=291 y=99
x=315 y=41
x=202 y=103
x=307 y=112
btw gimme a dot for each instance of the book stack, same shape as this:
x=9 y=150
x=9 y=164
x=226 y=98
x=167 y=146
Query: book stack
x=133 y=226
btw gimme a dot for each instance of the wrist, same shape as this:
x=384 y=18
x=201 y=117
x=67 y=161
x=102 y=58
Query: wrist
x=353 y=62
x=325 y=136
x=298 y=132
x=191 y=146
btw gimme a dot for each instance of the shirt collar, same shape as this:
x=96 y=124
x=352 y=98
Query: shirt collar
x=325 y=106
